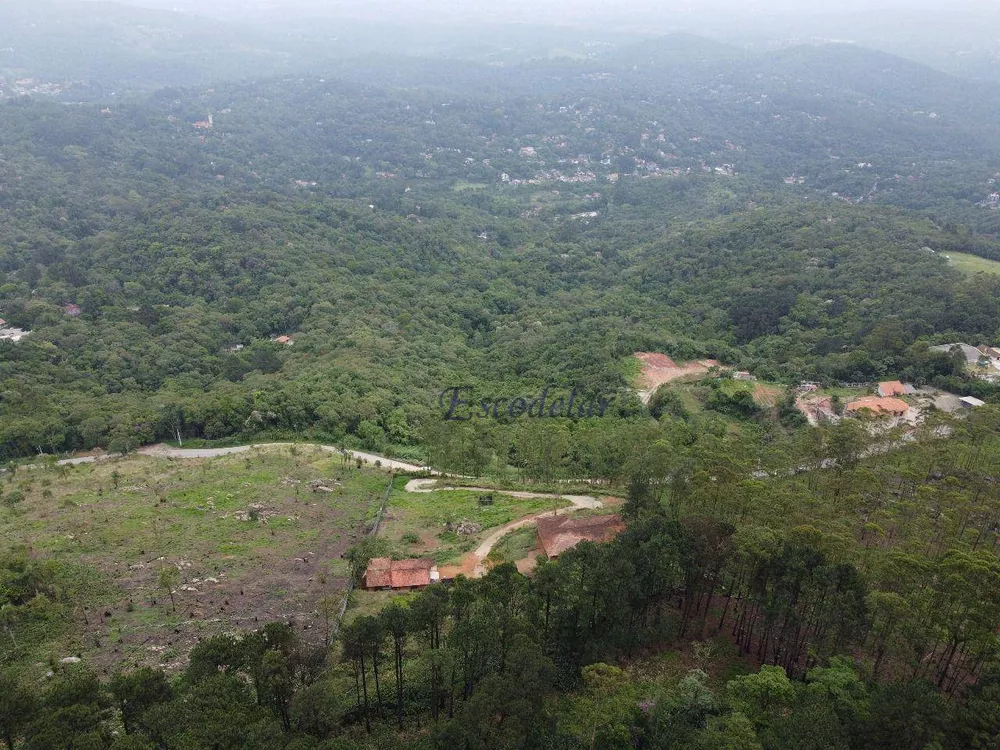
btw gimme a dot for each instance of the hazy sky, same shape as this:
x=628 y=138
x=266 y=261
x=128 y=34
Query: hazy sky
x=903 y=26
x=572 y=8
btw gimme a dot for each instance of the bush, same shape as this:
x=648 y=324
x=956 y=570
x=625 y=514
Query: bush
x=12 y=498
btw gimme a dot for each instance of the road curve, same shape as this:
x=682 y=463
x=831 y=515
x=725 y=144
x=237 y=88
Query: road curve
x=579 y=502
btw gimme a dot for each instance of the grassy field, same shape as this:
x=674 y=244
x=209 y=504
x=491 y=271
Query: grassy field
x=248 y=537
x=461 y=185
x=972 y=264
x=517 y=545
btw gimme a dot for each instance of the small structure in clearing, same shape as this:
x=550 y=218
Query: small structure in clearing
x=384 y=573
x=12 y=334
x=880 y=407
x=891 y=388
x=560 y=533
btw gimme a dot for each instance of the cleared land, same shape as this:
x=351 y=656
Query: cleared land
x=972 y=264
x=658 y=369
x=448 y=525
x=249 y=537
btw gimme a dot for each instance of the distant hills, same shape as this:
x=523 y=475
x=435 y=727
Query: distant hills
x=110 y=45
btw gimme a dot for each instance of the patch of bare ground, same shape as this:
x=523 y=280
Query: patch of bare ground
x=766 y=395
x=658 y=369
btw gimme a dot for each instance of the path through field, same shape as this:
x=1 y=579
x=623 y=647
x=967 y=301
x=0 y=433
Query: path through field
x=161 y=450
x=579 y=502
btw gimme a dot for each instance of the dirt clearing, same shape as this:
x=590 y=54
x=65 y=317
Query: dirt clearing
x=658 y=369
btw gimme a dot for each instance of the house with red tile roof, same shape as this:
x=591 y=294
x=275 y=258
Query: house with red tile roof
x=384 y=573
x=891 y=388
x=880 y=407
x=560 y=533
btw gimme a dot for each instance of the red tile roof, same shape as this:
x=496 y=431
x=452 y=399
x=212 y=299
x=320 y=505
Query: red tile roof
x=406 y=573
x=377 y=575
x=560 y=533
x=398 y=574
x=879 y=406
x=891 y=388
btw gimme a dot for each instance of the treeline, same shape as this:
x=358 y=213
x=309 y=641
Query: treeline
x=868 y=591
x=508 y=662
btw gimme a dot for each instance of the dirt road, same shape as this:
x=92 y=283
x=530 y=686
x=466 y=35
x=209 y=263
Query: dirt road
x=161 y=450
x=579 y=502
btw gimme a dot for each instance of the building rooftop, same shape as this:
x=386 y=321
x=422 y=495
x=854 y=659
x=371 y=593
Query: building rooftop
x=970 y=352
x=377 y=575
x=399 y=574
x=878 y=405
x=891 y=388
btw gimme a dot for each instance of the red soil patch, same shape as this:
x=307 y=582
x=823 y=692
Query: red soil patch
x=658 y=369
x=816 y=408
x=526 y=565
x=655 y=359
x=466 y=567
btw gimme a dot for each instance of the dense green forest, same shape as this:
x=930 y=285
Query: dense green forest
x=501 y=227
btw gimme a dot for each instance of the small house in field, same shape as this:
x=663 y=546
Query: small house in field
x=880 y=407
x=560 y=533
x=891 y=388
x=743 y=375
x=971 y=402
x=285 y=340
x=384 y=573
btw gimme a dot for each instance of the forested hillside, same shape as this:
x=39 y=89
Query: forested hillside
x=506 y=228
x=214 y=235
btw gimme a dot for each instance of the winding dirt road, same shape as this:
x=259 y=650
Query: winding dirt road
x=579 y=502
